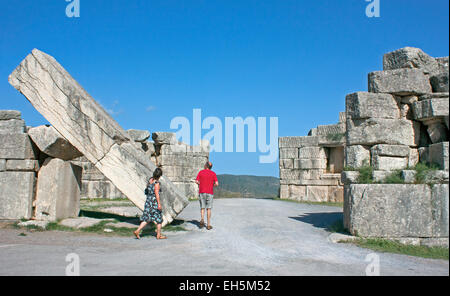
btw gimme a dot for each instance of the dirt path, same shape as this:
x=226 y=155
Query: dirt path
x=250 y=237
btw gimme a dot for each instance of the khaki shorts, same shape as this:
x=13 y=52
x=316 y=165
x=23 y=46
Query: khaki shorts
x=206 y=200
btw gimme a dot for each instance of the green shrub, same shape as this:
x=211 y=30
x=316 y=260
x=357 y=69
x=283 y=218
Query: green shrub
x=422 y=169
x=394 y=178
x=365 y=173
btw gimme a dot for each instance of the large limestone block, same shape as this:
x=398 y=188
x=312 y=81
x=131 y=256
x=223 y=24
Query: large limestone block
x=390 y=150
x=16 y=146
x=335 y=193
x=316 y=193
x=363 y=105
x=183 y=161
x=16 y=194
x=91 y=189
x=389 y=210
x=89 y=128
x=189 y=189
x=311 y=152
x=440 y=209
x=388 y=163
x=2 y=165
x=293 y=192
x=436 y=154
x=437 y=131
x=12 y=126
x=138 y=135
x=307 y=164
x=410 y=57
x=288 y=153
x=176 y=173
x=356 y=156
x=49 y=141
x=296 y=142
x=383 y=131
x=401 y=82
x=29 y=165
x=286 y=163
x=429 y=109
x=331 y=129
x=439 y=82
x=58 y=190
x=164 y=138
x=10 y=114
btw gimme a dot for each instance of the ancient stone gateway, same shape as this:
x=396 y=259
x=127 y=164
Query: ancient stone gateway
x=91 y=130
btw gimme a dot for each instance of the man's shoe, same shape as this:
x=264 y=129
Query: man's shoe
x=202 y=224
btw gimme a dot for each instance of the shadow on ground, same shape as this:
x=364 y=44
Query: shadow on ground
x=320 y=220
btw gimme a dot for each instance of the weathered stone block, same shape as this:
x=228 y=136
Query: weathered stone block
x=316 y=193
x=293 y=192
x=290 y=174
x=331 y=129
x=387 y=163
x=413 y=157
x=2 y=165
x=289 y=153
x=22 y=165
x=401 y=82
x=286 y=163
x=363 y=105
x=430 y=109
x=12 y=126
x=356 y=156
x=439 y=210
x=16 y=194
x=383 y=131
x=138 y=135
x=10 y=114
x=58 y=190
x=410 y=57
x=164 y=138
x=99 y=189
x=311 y=152
x=438 y=154
x=439 y=82
x=16 y=146
x=437 y=131
x=183 y=161
x=389 y=210
x=50 y=141
x=306 y=164
x=335 y=193
x=296 y=142
x=390 y=150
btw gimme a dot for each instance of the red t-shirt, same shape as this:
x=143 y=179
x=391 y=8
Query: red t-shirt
x=207 y=178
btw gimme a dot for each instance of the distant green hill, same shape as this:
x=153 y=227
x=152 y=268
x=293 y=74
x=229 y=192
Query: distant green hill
x=247 y=186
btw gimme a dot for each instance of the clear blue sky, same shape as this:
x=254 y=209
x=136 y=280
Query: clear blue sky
x=149 y=61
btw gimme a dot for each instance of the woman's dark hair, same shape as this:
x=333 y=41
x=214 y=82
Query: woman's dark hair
x=157 y=174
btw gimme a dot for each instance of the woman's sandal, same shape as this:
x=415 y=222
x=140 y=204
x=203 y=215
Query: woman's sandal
x=161 y=237
x=209 y=227
x=136 y=234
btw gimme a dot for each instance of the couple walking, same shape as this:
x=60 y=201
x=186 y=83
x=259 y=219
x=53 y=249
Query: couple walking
x=206 y=180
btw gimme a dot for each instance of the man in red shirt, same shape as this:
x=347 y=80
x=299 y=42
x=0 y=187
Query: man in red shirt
x=206 y=179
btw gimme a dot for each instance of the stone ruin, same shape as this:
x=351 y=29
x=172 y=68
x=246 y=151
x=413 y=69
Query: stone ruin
x=181 y=167
x=311 y=166
x=41 y=173
x=402 y=120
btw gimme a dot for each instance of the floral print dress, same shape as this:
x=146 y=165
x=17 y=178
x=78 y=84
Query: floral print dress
x=151 y=212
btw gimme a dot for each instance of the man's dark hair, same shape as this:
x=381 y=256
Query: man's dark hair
x=157 y=173
x=208 y=164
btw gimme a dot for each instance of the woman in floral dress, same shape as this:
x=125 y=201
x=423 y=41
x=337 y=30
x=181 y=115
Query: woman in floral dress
x=153 y=209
